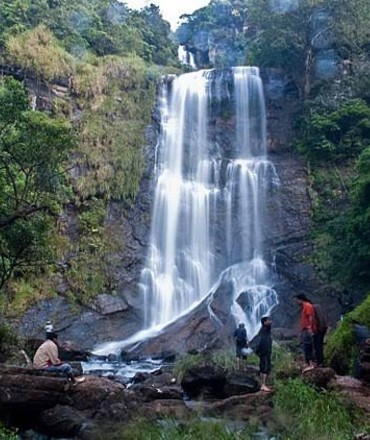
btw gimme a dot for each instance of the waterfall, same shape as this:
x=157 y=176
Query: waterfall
x=185 y=57
x=209 y=206
x=212 y=177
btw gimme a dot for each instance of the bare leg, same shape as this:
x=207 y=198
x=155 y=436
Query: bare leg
x=264 y=387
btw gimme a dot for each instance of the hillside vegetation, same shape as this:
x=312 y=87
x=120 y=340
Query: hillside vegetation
x=99 y=62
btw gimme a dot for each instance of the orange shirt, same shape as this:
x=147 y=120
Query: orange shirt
x=308 y=317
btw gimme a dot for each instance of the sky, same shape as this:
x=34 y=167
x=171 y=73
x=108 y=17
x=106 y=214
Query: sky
x=171 y=9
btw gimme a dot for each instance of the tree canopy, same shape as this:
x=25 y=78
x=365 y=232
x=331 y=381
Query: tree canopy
x=99 y=26
x=33 y=148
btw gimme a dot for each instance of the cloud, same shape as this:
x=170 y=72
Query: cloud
x=171 y=10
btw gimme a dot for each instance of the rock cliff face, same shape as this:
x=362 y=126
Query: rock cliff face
x=287 y=235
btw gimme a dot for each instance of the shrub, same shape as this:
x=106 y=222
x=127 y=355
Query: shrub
x=340 y=134
x=304 y=413
x=38 y=51
x=341 y=347
x=7 y=434
x=173 y=430
x=224 y=359
x=8 y=341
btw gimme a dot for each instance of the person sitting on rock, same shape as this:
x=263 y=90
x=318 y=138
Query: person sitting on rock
x=47 y=358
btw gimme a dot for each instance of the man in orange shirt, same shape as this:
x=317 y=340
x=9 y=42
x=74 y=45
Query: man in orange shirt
x=307 y=329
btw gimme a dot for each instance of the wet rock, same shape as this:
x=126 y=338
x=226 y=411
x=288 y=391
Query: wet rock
x=140 y=377
x=150 y=393
x=319 y=377
x=108 y=304
x=348 y=382
x=85 y=328
x=173 y=409
x=242 y=407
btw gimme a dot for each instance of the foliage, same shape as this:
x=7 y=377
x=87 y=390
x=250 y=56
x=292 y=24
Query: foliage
x=172 y=430
x=219 y=358
x=342 y=217
x=351 y=28
x=98 y=26
x=303 y=412
x=336 y=135
x=90 y=259
x=7 y=434
x=9 y=340
x=112 y=127
x=283 y=363
x=33 y=147
x=159 y=48
x=38 y=50
x=341 y=348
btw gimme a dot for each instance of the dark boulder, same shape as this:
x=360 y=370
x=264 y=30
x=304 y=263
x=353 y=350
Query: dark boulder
x=238 y=384
x=149 y=393
x=62 y=421
x=319 y=377
x=206 y=380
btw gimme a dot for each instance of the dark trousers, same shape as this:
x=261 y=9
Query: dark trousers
x=307 y=344
x=265 y=364
x=318 y=341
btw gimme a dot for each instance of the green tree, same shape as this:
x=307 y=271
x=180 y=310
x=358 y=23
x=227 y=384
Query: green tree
x=33 y=147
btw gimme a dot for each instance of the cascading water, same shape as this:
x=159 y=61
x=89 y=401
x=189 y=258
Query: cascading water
x=209 y=198
x=210 y=201
x=185 y=57
x=179 y=266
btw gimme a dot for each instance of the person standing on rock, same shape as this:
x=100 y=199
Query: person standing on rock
x=308 y=329
x=321 y=327
x=264 y=350
x=47 y=358
x=241 y=341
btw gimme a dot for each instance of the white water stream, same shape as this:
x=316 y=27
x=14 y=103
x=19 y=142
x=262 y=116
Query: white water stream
x=209 y=207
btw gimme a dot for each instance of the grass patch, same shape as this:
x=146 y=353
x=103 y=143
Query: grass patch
x=283 y=363
x=304 y=413
x=92 y=258
x=173 y=430
x=38 y=50
x=224 y=359
x=117 y=98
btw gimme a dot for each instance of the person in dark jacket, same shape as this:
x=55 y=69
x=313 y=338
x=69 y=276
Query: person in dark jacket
x=264 y=350
x=241 y=341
